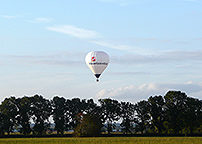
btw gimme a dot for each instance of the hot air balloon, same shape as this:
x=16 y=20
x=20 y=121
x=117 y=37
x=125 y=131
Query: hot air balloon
x=97 y=61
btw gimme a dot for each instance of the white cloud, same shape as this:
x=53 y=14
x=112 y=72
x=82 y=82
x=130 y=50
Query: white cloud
x=96 y=38
x=10 y=16
x=75 y=31
x=142 y=54
x=40 y=20
x=7 y=16
x=117 y=46
x=91 y=36
x=136 y=93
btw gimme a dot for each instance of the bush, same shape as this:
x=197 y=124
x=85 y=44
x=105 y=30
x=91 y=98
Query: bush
x=88 y=126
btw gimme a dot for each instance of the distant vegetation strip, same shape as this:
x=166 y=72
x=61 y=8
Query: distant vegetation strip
x=101 y=140
x=175 y=114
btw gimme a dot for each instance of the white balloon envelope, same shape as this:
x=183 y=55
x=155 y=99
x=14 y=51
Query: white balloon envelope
x=97 y=61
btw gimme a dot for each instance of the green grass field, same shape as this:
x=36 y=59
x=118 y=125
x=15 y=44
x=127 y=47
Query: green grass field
x=103 y=140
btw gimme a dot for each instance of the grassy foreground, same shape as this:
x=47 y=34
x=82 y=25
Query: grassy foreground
x=103 y=140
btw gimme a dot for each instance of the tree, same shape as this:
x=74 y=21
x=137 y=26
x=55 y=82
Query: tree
x=91 y=107
x=156 y=110
x=2 y=123
x=41 y=111
x=110 y=112
x=127 y=114
x=142 y=116
x=23 y=114
x=193 y=115
x=9 y=112
x=59 y=110
x=75 y=107
x=88 y=125
x=175 y=108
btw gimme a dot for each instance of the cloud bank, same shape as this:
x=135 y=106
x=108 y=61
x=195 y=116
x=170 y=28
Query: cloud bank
x=136 y=93
x=57 y=59
x=165 y=57
x=179 y=58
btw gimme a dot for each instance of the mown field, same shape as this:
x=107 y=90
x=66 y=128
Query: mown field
x=104 y=140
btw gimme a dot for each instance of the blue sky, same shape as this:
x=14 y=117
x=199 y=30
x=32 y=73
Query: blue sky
x=154 y=46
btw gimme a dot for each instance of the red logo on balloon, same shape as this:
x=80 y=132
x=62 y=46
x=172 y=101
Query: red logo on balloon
x=93 y=59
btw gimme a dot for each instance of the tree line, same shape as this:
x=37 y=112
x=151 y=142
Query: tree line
x=173 y=113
